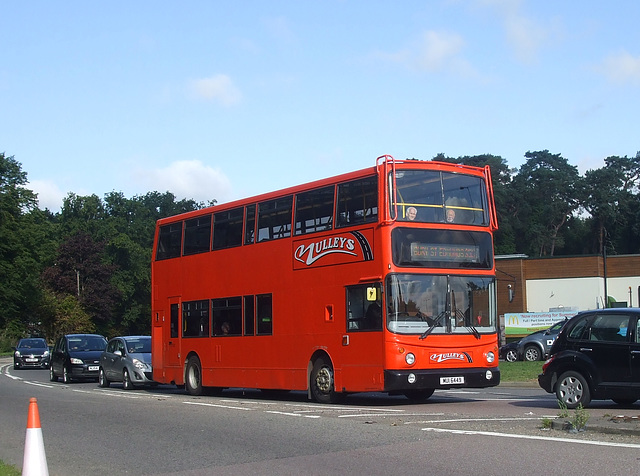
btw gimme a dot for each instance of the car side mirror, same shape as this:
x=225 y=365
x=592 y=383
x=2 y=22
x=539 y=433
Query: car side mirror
x=118 y=353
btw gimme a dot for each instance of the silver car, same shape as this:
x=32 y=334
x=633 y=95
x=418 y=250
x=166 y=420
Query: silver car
x=127 y=359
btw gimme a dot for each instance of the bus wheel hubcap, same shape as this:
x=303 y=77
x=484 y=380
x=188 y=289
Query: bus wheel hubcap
x=323 y=380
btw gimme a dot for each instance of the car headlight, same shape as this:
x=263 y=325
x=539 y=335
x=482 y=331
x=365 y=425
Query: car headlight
x=73 y=360
x=17 y=353
x=139 y=364
x=46 y=353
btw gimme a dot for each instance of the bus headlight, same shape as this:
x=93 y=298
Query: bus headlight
x=411 y=378
x=410 y=359
x=491 y=357
x=489 y=375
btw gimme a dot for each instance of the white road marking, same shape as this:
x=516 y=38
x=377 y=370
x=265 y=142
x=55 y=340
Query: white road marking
x=292 y=414
x=218 y=406
x=532 y=437
x=38 y=384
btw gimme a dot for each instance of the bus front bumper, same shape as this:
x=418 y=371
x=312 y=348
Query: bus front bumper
x=401 y=380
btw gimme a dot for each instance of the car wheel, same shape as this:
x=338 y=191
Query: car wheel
x=103 y=381
x=127 y=384
x=52 y=376
x=511 y=355
x=419 y=395
x=532 y=353
x=572 y=390
x=193 y=377
x=66 y=377
x=322 y=384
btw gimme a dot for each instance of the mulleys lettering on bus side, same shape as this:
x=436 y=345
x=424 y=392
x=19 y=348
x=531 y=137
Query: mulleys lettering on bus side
x=312 y=252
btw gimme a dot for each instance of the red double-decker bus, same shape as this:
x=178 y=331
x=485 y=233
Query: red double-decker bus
x=379 y=280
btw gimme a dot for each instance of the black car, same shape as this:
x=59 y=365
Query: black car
x=32 y=352
x=76 y=357
x=596 y=356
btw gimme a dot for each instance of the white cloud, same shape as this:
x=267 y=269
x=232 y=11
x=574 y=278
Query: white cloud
x=524 y=35
x=621 y=68
x=434 y=52
x=438 y=50
x=49 y=194
x=218 y=88
x=190 y=179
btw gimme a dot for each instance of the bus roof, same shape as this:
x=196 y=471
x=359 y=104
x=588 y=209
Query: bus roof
x=436 y=165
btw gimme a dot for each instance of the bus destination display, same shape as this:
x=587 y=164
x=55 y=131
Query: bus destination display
x=441 y=252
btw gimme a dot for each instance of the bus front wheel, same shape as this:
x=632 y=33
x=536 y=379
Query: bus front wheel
x=419 y=395
x=322 y=384
x=193 y=376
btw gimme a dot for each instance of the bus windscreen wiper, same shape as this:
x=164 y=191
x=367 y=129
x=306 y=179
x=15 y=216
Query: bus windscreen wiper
x=434 y=325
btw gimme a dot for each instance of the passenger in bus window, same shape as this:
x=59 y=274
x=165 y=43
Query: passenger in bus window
x=225 y=328
x=411 y=214
x=451 y=215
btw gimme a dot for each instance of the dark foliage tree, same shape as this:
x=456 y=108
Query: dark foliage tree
x=543 y=199
x=81 y=270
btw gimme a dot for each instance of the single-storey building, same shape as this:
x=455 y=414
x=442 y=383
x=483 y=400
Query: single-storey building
x=566 y=285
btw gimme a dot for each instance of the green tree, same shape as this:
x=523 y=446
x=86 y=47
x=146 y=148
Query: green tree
x=543 y=198
x=18 y=262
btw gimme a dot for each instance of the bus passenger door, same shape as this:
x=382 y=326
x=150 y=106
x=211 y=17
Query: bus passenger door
x=362 y=343
x=171 y=350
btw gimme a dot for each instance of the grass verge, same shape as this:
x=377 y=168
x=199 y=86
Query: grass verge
x=8 y=470
x=520 y=371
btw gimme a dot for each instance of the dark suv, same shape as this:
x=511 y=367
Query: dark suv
x=76 y=357
x=596 y=356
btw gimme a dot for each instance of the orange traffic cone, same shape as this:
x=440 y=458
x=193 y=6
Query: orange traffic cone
x=35 y=461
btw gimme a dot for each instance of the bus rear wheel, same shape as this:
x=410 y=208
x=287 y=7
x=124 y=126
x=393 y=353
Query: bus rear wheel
x=193 y=376
x=322 y=384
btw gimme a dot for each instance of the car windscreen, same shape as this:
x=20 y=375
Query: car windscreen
x=32 y=344
x=139 y=346
x=87 y=344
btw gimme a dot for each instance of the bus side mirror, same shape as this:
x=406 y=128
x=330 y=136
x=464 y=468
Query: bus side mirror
x=511 y=292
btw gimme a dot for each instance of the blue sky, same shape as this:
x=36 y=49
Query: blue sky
x=226 y=99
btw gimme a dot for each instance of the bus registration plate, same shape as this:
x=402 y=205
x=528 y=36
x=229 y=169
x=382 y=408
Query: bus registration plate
x=451 y=380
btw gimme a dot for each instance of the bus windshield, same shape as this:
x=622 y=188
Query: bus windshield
x=431 y=196
x=428 y=304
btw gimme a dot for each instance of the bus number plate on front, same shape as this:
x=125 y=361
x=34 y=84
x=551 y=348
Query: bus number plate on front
x=451 y=380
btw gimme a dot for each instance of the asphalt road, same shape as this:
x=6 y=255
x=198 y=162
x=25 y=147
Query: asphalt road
x=92 y=431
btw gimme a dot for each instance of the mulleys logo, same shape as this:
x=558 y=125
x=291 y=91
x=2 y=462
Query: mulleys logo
x=312 y=252
x=438 y=358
